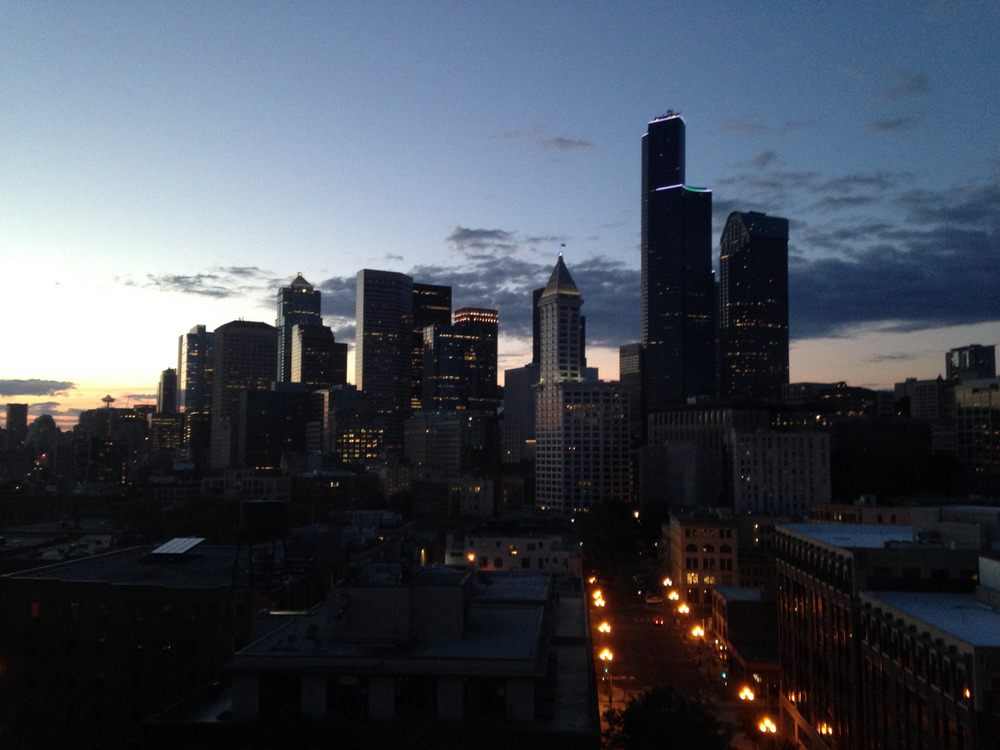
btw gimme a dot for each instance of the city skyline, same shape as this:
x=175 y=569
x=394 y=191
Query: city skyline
x=173 y=166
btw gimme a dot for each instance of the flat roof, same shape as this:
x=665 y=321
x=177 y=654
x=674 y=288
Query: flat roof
x=204 y=567
x=507 y=637
x=958 y=615
x=852 y=535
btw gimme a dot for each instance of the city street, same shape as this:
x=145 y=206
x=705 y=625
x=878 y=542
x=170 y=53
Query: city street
x=640 y=654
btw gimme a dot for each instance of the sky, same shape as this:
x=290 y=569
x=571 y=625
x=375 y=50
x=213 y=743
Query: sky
x=169 y=164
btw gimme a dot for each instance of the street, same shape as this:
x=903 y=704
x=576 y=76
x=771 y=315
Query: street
x=639 y=654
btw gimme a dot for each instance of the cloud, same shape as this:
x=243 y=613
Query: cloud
x=466 y=240
x=763 y=159
x=35 y=387
x=893 y=125
x=906 y=84
x=935 y=266
x=535 y=134
x=893 y=357
x=747 y=127
x=565 y=144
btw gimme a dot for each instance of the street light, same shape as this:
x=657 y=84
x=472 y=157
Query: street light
x=604 y=627
x=698 y=631
x=746 y=694
x=766 y=726
x=667 y=583
x=683 y=609
x=673 y=596
x=607 y=657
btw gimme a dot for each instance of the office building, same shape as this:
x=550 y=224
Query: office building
x=383 y=355
x=245 y=353
x=431 y=307
x=581 y=428
x=975 y=362
x=92 y=646
x=298 y=305
x=753 y=308
x=677 y=288
x=15 y=426
x=849 y=594
x=195 y=360
x=460 y=362
x=780 y=472
x=166 y=392
x=448 y=658
x=318 y=361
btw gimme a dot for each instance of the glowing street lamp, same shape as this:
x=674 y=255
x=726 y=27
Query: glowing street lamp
x=599 y=602
x=596 y=594
x=604 y=627
x=667 y=583
x=607 y=657
x=698 y=631
x=673 y=596
x=471 y=557
x=683 y=609
x=746 y=694
x=767 y=726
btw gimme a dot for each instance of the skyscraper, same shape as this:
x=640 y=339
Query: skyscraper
x=753 y=306
x=298 y=305
x=971 y=362
x=195 y=357
x=581 y=428
x=431 y=307
x=383 y=355
x=16 y=426
x=460 y=362
x=166 y=392
x=245 y=353
x=677 y=287
x=318 y=361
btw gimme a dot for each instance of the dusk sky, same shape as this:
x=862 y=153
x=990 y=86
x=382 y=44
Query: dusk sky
x=174 y=163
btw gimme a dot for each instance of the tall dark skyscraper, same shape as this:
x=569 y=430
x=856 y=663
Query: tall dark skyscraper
x=195 y=360
x=16 y=425
x=460 y=362
x=318 y=361
x=166 y=392
x=383 y=354
x=753 y=306
x=298 y=305
x=678 y=336
x=245 y=353
x=431 y=307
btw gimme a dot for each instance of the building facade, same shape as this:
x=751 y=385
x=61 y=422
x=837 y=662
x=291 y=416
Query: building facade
x=753 y=306
x=581 y=428
x=677 y=288
x=245 y=353
x=298 y=305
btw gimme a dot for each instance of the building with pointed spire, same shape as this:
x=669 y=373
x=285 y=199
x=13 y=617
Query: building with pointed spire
x=581 y=426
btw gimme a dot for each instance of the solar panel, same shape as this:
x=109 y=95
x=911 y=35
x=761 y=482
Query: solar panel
x=178 y=546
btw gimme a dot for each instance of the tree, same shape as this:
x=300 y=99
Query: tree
x=661 y=717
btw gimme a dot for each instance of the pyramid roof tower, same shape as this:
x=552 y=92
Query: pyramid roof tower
x=560 y=282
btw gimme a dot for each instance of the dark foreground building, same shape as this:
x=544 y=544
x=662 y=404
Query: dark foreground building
x=91 y=647
x=448 y=659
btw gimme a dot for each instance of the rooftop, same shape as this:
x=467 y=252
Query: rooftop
x=851 y=535
x=957 y=615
